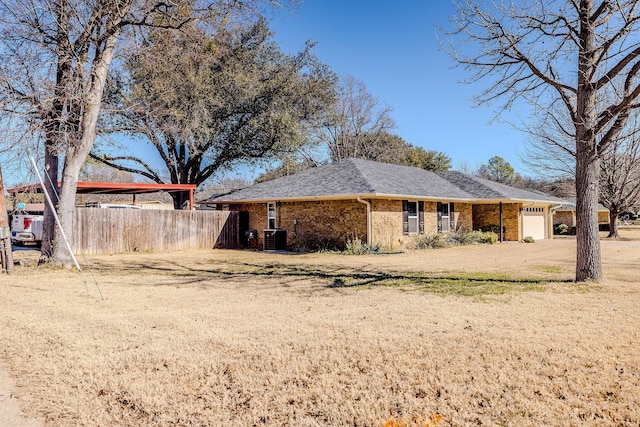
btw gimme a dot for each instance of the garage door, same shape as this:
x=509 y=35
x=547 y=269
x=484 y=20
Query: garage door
x=533 y=223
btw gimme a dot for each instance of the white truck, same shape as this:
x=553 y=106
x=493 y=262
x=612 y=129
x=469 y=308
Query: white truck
x=26 y=229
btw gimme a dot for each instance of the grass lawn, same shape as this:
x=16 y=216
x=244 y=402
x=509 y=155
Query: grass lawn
x=478 y=335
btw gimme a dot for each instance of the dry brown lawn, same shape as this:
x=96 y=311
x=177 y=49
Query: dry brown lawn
x=477 y=335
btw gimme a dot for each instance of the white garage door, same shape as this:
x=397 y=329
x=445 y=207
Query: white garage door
x=533 y=223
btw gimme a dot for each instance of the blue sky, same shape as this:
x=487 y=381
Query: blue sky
x=392 y=47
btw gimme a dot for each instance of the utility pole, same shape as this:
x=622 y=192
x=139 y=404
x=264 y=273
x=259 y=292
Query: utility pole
x=5 y=233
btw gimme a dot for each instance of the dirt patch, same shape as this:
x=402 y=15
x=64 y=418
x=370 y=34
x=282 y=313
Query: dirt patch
x=246 y=338
x=9 y=406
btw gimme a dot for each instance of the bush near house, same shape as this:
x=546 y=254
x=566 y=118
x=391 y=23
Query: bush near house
x=428 y=241
x=560 y=229
x=454 y=238
x=355 y=246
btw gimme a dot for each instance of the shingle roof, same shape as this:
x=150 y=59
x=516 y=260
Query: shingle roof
x=357 y=177
x=388 y=179
x=485 y=189
x=570 y=205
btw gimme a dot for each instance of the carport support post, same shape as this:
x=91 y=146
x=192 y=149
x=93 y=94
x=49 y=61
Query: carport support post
x=5 y=233
x=501 y=229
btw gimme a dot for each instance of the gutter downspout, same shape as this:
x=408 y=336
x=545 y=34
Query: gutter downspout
x=501 y=232
x=368 y=218
x=552 y=212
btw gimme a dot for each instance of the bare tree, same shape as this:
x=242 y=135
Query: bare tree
x=93 y=170
x=56 y=57
x=17 y=144
x=550 y=149
x=551 y=152
x=620 y=178
x=356 y=122
x=289 y=165
x=560 y=54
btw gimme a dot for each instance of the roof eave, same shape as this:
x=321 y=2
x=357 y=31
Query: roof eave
x=353 y=196
x=515 y=200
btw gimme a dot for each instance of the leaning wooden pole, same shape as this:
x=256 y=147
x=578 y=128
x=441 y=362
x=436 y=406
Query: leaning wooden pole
x=5 y=233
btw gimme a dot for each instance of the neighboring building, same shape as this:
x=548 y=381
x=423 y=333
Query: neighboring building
x=112 y=192
x=382 y=203
x=566 y=214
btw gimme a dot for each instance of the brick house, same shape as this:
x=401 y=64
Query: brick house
x=566 y=214
x=382 y=203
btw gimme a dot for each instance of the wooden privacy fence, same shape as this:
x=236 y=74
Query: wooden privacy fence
x=108 y=231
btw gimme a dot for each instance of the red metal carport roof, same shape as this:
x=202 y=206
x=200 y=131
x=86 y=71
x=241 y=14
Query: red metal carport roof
x=85 y=187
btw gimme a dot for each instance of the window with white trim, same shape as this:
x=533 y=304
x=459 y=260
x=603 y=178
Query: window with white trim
x=444 y=215
x=271 y=215
x=412 y=208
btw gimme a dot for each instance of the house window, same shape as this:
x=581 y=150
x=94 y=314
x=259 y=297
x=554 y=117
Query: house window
x=412 y=208
x=445 y=216
x=446 y=219
x=412 y=217
x=271 y=215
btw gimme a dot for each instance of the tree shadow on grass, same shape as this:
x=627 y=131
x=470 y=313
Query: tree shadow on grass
x=332 y=277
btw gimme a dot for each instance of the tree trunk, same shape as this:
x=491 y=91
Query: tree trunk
x=51 y=167
x=177 y=200
x=180 y=198
x=588 y=262
x=53 y=130
x=69 y=185
x=613 y=223
x=77 y=154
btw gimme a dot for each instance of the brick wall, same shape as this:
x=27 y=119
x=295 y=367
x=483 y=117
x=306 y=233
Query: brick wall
x=603 y=217
x=386 y=223
x=430 y=217
x=567 y=217
x=320 y=223
x=489 y=216
x=257 y=220
x=311 y=224
x=323 y=222
x=386 y=219
x=563 y=217
x=464 y=216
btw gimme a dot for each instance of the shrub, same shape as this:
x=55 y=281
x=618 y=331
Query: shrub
x=561 y=229
x=355 y=246
x=323 y=245
x=529 y=239
x=454 y=238
x=374 y=247
x=428 y=241
x=485 y=237
x=460 y=237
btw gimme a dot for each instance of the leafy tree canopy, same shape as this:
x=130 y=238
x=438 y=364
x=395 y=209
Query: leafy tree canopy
x=206 y=103
x=386 y=148
x=499 y=170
